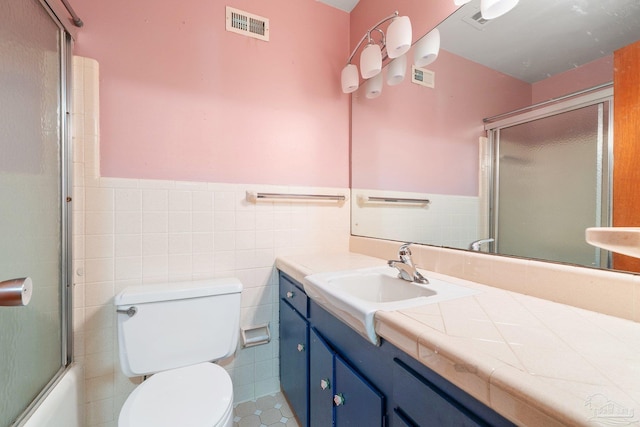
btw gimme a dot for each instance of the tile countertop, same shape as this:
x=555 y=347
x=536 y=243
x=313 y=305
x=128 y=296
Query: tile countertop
x=534 y=361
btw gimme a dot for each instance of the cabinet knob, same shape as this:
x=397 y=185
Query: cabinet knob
x=338 y=399
x=290 y=294
x=300 y=347
x=325 y=384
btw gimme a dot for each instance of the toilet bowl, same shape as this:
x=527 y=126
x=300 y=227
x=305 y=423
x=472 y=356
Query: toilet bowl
x=194 y=396
x=173 y=332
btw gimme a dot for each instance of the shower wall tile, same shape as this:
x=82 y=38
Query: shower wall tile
x=129 y=231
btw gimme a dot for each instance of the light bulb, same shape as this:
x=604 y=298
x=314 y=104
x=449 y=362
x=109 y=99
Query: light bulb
x=427 y=48
x=349 y=78
x=399 y=36
x=370 y=61
x=491 y=9
x=396 y=70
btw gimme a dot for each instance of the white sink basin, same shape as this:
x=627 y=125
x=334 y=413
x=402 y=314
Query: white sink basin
x=379 y=287
x=355 y=295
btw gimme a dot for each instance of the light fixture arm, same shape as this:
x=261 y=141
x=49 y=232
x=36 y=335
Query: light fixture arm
x=367 y=35
x=383 y=39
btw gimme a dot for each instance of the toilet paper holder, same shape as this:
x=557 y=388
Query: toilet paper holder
x=255 y=335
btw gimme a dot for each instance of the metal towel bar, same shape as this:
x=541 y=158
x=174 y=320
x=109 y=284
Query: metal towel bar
x=254 y=196
x=394 y=200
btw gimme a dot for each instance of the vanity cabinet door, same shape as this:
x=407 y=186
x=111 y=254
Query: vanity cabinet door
x=294 y=360
x=425 y=404
x=398 y=419
x=357 y=403
x=321 y=382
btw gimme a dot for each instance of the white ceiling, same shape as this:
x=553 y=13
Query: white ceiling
x=346 y=5
x=540 y=38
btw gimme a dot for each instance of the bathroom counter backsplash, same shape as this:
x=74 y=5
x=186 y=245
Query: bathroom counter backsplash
x=534 y=361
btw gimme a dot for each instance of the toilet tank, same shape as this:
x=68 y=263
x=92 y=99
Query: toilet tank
x=177 y=324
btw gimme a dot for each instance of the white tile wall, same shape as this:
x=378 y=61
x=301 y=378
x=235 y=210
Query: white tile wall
x=448 y=220
x=129 y=231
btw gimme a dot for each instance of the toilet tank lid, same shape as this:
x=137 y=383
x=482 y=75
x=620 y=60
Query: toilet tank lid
x=177 y=290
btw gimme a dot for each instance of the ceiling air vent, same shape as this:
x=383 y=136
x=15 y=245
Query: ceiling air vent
x=476 y=20
x=423 y=77
x=247 y=24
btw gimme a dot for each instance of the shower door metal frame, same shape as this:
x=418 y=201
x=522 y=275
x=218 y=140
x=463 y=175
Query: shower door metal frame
x=600 y=95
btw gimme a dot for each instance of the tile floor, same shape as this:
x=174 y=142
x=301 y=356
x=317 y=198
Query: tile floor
x=267 y=411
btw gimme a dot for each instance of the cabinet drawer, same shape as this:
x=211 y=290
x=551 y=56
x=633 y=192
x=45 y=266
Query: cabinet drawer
x=425 y=404
x=294 y=295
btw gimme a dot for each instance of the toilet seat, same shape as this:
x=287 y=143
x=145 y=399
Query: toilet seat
x=194 y=396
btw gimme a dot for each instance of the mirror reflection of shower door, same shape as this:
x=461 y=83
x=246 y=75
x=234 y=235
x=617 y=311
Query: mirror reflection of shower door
x=549 y=174
x=31 y=225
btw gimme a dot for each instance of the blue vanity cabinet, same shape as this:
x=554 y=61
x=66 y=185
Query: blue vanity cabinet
x=338 y=394
x=321 y=381
x=421 y=403
x=351 y=382
x=294 y=351
x=358 y=403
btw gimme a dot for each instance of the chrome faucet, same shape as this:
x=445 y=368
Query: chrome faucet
x=475 y=246
x=406 y=269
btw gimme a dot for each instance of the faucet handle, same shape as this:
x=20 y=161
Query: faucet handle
x=475 y=246
x=404 y=249
x=404 y=253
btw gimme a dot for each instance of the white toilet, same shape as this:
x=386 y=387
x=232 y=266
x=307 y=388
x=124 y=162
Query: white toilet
x=174 y=331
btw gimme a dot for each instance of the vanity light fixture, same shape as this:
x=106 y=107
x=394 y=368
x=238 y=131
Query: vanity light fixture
x=371 y=60
x=373 y=86
x=350 y=78
x=427 y=48
x=396 y=70
x=491 y=9
x=392 y=44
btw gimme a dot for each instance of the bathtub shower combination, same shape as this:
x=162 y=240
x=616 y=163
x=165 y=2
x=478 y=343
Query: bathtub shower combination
x=35 y=365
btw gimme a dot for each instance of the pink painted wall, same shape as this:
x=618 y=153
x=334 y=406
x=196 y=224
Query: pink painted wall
x=182 y=99
x=419 y=139
x=589 y=75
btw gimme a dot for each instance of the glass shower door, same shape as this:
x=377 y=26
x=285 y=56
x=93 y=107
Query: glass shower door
x=31 y=241
x=550 y=185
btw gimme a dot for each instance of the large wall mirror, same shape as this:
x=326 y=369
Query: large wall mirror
x=506 y=99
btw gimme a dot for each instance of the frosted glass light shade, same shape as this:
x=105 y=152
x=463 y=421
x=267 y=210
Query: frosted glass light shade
x=460 y=2
x=373 y=86
x=427 y=48
x=370 y=61
x=396 y=70
x=399 y=36
x=491 y=9
x=349 y=78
